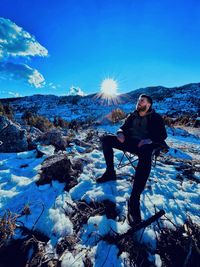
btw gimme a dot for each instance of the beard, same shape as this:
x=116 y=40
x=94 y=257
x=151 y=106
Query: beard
x=139 y=108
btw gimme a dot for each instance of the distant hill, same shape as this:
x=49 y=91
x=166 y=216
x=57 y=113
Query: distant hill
x=170 y=101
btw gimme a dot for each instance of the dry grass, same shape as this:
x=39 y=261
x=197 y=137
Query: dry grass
x=7 y=226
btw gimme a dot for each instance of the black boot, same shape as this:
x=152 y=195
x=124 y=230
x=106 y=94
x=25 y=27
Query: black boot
x=133 y=215
x=107 y=176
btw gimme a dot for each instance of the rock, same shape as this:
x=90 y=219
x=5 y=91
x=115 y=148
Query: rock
x=53 y=137
x=4 y=122
x=12 y=136
x=45 y=150
x=77 y=165
x=58 y=167
x=33 y=134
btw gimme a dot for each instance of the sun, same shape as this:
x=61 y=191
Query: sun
x=109 y=87
x=108 y=94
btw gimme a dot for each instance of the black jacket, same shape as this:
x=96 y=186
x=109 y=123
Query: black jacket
x=155 y=126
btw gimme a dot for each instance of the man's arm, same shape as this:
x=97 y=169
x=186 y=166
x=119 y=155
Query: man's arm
x=145 y=142
x=121 y=137
x=157 y=129
x=122 y=130
x=125 y=125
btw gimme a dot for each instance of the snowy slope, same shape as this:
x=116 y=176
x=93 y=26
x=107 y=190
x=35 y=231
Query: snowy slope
x=77 y=229
x=51 y=207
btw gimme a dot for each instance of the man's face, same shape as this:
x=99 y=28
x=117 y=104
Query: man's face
x=142 y=104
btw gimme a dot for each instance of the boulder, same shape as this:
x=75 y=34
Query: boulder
x=33 y=134
x=58 y=167
x=53 y=137
x=77 y=165
x=45 y=150
x=13 y=138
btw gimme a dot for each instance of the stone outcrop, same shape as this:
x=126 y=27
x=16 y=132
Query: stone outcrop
x=13 y=138
x=53 y=137
x=33 y=134
x=59 y=167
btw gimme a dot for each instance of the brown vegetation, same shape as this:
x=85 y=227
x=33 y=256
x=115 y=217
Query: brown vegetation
x=180 y=247
x=182 y=120
x=7 y=226
x=6 y=110
x=117 y=115
x=59 y=122
x=37 y=121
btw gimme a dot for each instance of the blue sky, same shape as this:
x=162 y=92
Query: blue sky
x=50 y=46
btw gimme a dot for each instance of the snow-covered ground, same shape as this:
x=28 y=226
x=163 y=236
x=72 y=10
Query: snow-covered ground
x=50 y=206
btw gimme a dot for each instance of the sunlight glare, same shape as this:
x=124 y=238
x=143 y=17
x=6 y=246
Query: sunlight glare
x=108 y=92
x=109 y=87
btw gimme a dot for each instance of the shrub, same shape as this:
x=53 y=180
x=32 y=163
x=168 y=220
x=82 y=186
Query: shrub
x=37 y=121
x=59 y=122
x=117 y=115
x=168 y=121
x=180 y=247
x=40 y=122
x=182 y=120
x=74 y=125
x=27 y=116
x=6 y=110
x=7 y=226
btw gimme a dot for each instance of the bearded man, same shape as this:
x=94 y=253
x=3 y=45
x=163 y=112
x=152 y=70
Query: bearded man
x=142 y=132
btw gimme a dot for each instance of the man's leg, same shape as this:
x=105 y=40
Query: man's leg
x=141 y=175
x=108 y=143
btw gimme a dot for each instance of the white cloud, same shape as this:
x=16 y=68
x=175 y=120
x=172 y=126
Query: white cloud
x=24 y=72
x=76 y=91
x=53 y=86
x=14 y=94
x=14 y=41
x=36 y=79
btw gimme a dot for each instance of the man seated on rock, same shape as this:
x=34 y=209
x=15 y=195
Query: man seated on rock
x=142 y=132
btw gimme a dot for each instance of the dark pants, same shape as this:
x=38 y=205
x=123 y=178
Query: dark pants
x=142 y=171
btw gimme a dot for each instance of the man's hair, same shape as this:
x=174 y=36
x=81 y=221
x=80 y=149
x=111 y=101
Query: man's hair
x=149 y=99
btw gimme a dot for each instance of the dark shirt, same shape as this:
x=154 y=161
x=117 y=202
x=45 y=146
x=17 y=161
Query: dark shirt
x=138 y=128
x=155 y=127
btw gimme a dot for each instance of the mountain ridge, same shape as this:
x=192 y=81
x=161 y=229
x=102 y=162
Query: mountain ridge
x=145 y=89
x=167 y=101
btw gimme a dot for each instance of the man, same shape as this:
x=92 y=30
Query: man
x=141 y=133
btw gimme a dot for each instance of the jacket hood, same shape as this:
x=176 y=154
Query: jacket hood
x=136 y=113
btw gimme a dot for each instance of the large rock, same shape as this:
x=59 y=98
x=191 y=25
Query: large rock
x=53 y=137
x=12 y=136
x=59 y=167
x=33 y=134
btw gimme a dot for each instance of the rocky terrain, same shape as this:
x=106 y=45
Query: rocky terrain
x=169 y=101
x=52 y=211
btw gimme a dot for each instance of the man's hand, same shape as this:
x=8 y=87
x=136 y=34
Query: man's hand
x=121 y=137
x=144 y=142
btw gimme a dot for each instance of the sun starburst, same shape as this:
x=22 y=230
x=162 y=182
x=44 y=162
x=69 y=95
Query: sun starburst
x=109 y=87
x=109 y=91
